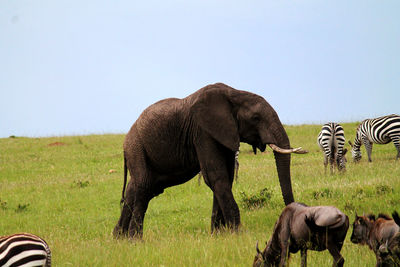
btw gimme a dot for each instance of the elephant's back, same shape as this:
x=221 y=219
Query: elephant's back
x=159 y=134
x=161 y=115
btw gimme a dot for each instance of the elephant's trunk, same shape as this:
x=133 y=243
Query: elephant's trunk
x=282 y=153
x=283 y=167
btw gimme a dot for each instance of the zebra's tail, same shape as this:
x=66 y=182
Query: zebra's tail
x=47 y=249
x=48 y=258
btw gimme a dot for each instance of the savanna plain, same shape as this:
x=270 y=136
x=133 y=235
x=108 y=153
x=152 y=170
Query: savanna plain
x=67 y=190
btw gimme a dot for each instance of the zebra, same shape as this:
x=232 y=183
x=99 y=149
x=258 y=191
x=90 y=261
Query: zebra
x=380 y=130
x=331 y=141
x=24 y=249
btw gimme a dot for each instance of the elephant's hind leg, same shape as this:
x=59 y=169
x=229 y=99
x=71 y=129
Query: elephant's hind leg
x=121 y=229
x=141 y=202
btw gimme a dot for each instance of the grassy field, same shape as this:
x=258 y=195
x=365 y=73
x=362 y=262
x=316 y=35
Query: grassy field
x=61 y=189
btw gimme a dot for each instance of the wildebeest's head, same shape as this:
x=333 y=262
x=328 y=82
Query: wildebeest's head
x=361 y=227
x=258 y=259
x=388 y=254
x=267 y=258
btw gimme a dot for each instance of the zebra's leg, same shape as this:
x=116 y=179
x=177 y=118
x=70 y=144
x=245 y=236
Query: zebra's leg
x=331 y=162
x=396 y=142
x=325 y=162
x=368 y=147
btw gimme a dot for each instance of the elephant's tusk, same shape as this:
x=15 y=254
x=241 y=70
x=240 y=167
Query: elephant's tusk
x=298 y=150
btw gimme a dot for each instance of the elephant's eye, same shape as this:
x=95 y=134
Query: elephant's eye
x=255 y=118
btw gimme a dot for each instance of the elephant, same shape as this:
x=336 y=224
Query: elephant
x=175 y=139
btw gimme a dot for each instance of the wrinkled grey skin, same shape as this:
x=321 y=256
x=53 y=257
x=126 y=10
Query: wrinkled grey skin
x=174 y=139
x=367 y=230
x=301 y=228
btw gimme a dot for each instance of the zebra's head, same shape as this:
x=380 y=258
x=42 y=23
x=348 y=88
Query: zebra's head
x=355 y=151
x=356 y=154
x=341 y=160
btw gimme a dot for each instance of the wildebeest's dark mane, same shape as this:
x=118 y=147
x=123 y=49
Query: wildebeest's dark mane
x=370 y=217
x=384 y=216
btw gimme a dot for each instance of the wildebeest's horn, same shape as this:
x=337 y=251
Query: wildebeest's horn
x=278 y=149
x=258 y=250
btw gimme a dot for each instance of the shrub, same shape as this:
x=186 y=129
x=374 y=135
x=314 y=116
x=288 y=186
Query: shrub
x=326 y=192
x=257 y=200
x=22 y=207
x=383 y=189
x=80 y=184
x=3 y=204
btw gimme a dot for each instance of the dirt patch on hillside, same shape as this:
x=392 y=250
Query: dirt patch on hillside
x=57 y=144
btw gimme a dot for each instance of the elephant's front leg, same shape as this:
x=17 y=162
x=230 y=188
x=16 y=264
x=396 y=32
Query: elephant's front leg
x=217 y=217
x=217 y=166
x=230 y=210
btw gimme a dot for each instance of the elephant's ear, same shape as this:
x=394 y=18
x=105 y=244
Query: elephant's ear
x=212 y=111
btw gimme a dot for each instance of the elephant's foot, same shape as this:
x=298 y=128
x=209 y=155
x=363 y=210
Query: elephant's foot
x=119 y=232
x=230 y=228
x=217 y=221
x=338 y=263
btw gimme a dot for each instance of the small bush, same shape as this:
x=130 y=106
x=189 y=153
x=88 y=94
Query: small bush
x=3 y=204
x=22 y=207
x=80 y=184
x=359 y=194
x=383 y=189
x=349 y=206
x=326 y=192
x=255 y=201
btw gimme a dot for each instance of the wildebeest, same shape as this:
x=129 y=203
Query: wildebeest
x=301 y=228
x=374 y=232
x=389 y=252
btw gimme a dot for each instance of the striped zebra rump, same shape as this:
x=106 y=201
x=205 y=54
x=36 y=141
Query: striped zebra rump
x=331 y=138
x=331 y=141
x=24 y=249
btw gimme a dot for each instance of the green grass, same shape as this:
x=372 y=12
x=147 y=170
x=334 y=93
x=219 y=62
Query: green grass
x=67 y=195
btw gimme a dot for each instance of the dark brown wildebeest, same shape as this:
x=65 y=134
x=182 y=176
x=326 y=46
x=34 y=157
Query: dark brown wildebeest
x=374 y=232
x=389 y=252
x=301 y=228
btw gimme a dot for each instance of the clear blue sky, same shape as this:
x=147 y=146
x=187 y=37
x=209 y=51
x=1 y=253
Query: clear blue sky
x=82 y=67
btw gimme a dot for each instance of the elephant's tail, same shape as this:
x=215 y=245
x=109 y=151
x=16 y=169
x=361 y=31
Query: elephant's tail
x=125 y=175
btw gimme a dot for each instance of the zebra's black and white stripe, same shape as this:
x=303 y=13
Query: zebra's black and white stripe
x=24 y=249
x=380 y=130
x=331 y=141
